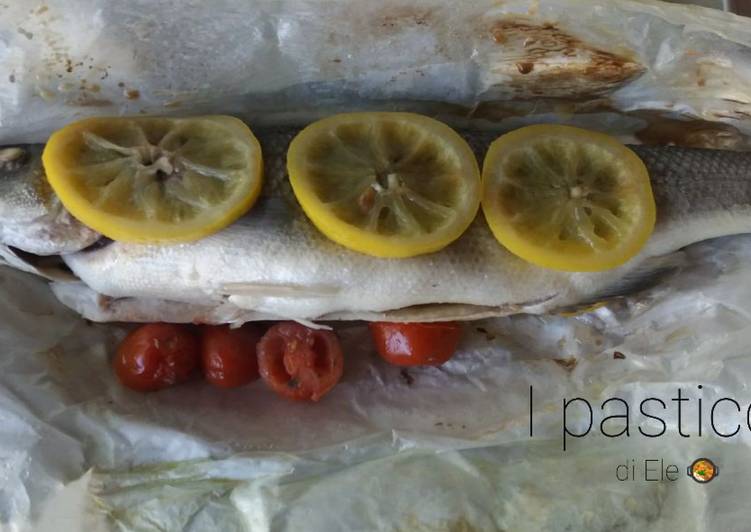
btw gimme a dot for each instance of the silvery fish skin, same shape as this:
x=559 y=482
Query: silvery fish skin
x=31 y=216
x=273 y=263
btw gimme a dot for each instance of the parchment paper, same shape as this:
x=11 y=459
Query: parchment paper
x=613 y=65
x=428 y=449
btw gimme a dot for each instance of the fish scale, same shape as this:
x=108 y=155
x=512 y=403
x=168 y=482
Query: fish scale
x=273 y=263
x=685 y=179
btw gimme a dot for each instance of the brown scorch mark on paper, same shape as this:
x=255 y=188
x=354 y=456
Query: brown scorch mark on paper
x=567 y=363
x=86 y=100
x=405 y=16
x=488 y=336
x=691 y=133
x=545 y=61
x=525 y=68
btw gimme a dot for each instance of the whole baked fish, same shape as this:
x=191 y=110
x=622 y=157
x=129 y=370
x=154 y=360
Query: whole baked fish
x=273 y=263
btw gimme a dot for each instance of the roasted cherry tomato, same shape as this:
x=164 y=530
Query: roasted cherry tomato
x=416 y=344
x=156 y=356
x=299 y=362
x=229 y=355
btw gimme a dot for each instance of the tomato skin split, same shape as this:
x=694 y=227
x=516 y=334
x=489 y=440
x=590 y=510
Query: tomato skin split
x=157 y=356
x=298 y=362
x=416 y=344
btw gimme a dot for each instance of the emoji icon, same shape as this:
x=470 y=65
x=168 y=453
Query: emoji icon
x=702 y=470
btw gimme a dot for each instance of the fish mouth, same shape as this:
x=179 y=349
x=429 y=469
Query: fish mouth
x=97 y=245
x=51 y=267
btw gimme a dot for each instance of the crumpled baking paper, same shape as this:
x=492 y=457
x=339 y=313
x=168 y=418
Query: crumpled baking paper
x=422 y=449
x=611 y=65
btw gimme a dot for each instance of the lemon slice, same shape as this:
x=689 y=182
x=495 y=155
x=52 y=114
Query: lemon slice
x=153 y=179
x=567 y=198
x=385 y=184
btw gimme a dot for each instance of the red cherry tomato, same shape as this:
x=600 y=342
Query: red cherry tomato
x=298 y=362
x=229 y=355
x=416 y=344
x=156 y=356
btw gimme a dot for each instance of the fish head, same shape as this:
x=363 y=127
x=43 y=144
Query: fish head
x=32 y=218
